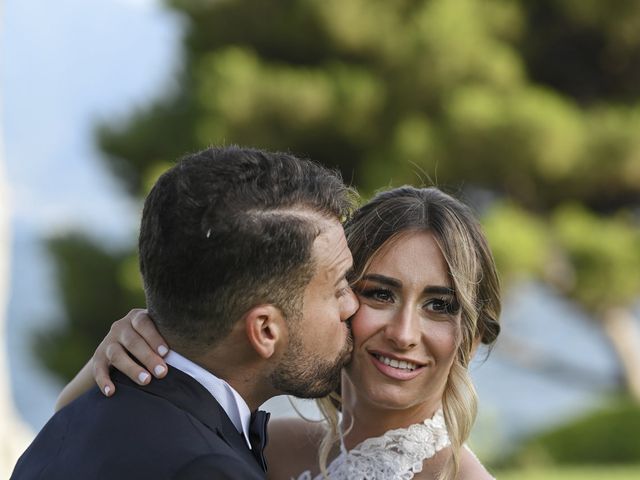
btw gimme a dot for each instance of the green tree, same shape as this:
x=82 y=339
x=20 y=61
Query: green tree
x=531 y=109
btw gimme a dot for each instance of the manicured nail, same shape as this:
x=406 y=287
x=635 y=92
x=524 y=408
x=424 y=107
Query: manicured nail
x=162 y=350
x=107 y=390
x=143 y=377
x=159 y=370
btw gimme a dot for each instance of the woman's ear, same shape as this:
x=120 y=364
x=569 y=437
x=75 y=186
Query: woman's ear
x=266 y=328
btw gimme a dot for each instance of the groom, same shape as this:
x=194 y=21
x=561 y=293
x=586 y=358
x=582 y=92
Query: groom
x=244 y=263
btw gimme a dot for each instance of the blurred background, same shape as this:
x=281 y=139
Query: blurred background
x=528 y=111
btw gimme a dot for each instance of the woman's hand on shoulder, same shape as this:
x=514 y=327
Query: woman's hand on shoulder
x=134 y=335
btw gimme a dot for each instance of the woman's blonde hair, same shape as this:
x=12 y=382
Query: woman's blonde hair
x=393 y=213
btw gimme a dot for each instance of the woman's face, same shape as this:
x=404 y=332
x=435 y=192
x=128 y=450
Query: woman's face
x=407 y=330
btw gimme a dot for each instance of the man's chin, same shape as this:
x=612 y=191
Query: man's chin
x=316 y=393
x=304 y=383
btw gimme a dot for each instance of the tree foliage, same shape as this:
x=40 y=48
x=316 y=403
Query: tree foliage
x=580 y=441
x=97 y=286
x=531 y=109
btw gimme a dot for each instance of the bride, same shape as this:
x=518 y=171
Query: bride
x=429 y=294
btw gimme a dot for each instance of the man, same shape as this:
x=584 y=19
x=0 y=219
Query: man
x=244 y=263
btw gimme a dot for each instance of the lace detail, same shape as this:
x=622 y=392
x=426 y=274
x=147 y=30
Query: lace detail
x=398 y=454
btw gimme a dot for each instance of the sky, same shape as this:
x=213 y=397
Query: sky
x=65 y=66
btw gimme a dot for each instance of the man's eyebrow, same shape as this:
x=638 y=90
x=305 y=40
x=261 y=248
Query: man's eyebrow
x=344 y=276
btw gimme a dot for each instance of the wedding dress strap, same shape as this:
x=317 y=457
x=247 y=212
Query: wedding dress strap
x=397 y=454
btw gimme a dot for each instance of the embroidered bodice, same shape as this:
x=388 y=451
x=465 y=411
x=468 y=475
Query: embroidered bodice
x=397 y=454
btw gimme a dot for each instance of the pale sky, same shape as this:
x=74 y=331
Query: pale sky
x=66 y=64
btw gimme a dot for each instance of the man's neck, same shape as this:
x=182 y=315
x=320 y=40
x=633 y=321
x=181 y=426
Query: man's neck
x=246 y=379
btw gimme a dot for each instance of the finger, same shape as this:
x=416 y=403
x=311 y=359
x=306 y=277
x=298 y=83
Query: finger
x=137 y=346
x=101 y=360
x=100 y=365
x=101 y=376
x=143 y=324
x=118 y=357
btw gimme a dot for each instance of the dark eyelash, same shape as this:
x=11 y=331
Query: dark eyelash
x=372 y=292
x=452 y=307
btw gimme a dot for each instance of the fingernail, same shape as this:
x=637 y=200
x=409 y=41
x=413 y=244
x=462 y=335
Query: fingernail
x=162 y=350
x=107 y=390
x=143 y=377
x=159 y=370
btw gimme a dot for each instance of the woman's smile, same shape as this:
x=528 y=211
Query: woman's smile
x=394 y=367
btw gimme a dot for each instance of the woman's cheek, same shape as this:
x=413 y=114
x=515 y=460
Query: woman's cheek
x=444 y=338
x=363 y=323
x=357 y=325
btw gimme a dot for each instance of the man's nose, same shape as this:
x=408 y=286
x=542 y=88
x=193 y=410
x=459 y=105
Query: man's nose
x=349 y=305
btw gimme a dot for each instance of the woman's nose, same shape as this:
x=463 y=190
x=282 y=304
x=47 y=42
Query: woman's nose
x=403 y=331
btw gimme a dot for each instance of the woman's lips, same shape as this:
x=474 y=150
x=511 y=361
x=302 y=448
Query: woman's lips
x=396 y=369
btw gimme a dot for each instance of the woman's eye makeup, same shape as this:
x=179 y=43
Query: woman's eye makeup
x=448 y=306
x=439 y=300
x=378 y=294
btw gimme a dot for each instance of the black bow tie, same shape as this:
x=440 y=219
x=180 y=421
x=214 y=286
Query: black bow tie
x=258 y=436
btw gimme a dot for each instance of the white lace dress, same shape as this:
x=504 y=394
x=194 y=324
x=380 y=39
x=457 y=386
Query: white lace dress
x=398 y=454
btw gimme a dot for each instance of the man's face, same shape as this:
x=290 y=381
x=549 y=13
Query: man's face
x=320 y=342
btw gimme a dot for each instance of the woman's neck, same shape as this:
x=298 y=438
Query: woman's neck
x=362 y=420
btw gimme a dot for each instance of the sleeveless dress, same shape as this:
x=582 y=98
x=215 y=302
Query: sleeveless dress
x=397 y=454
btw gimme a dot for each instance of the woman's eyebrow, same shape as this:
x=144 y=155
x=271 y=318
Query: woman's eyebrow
x=439 y=290
x=391 y=282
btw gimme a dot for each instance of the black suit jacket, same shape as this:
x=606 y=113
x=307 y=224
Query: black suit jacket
x=169 y=429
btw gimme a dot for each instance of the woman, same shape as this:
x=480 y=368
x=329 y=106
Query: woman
x=429 y=293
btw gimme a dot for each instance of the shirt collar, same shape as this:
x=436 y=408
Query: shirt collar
x=231 y=402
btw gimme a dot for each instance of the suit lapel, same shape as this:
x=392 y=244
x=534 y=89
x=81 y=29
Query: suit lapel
x=187 y=394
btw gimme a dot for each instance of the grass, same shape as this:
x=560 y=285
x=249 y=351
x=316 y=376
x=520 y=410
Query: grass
x=573 y=473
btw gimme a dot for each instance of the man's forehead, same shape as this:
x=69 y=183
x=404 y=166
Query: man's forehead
x=331 y=248
x=331 y=232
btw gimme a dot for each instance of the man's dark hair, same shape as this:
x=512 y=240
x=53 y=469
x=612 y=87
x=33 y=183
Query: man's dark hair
x=229 y=228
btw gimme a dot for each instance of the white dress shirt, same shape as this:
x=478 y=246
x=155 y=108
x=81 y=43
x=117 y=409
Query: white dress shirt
x=230 y=400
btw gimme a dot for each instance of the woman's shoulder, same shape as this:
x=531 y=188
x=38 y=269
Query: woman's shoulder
x=471 y=468
x=293 y=447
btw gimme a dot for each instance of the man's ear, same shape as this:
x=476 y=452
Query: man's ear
x=265 y=327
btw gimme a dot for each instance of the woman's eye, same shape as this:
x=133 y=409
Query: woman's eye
x=440 y=305
x=378 y=294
